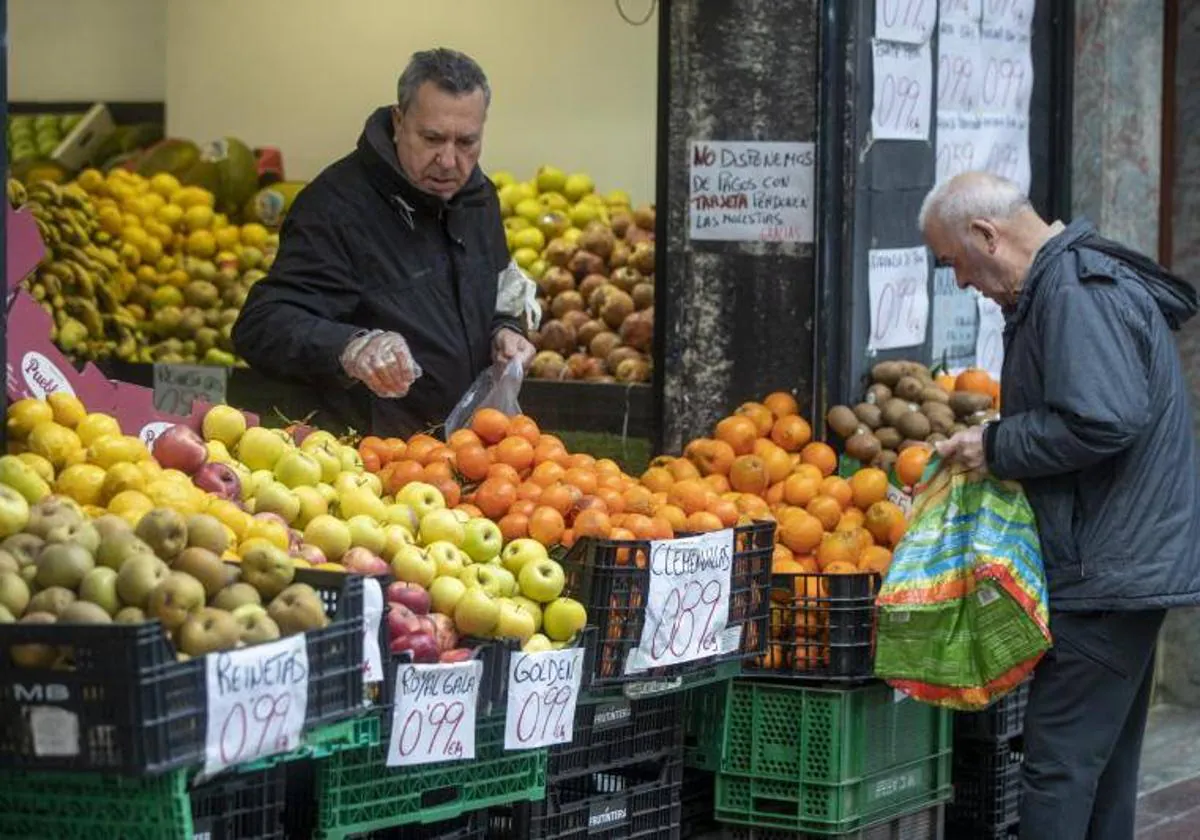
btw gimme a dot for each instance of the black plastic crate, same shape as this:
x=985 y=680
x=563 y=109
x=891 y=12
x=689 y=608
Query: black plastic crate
x=611 y=579
x=472 y=826
x=822 y=628
x=617 y=733
x=134 y=707
x=961 y=831
x=241 y=806
x=987 y=785
x=630 y=803
x=1001 y=721
x=926 y=824
x=697 y=803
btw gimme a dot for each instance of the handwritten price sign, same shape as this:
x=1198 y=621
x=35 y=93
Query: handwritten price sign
x=176 y=386
x=434 y=716
x=542 y=691
x=903 y=91
x=910 y=21
x=687 y=606
x=898 y=283
x=257 y=699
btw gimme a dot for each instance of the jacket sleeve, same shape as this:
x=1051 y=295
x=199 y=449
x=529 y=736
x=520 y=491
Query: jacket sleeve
x=295 y=321
x=1096 y=394
x=500 y=259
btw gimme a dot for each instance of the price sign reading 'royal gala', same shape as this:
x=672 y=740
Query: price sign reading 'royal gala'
x=434 y=716
x=257 y=699
x=543 y=688
x=687 y=607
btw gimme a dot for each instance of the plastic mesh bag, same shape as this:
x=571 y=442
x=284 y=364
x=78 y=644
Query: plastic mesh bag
x=497 y=387
x=963 y=615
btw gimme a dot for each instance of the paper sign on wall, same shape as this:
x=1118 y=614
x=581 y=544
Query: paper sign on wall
x=903 y=78
x=960 y=11
x=257 y=700
x=954 y=323
x=687 y=606
x=543 y=689
x=898 y=283
x=177 y=386
x=910 y=21
x=752 y=192
x=433 y=718
x=989 y=345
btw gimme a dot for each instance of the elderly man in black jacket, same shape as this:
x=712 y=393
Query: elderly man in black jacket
x=391 y=261
x=1097 y=427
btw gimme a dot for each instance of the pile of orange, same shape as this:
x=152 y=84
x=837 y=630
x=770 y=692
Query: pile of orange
x=972 y=380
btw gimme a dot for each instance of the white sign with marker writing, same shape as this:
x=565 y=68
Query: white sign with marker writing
x=752 y=192
x=433 y=718
x=903 y=75
x=910 y=21
x=543 y=689
x=1006 y=84
x=960 y=11
x=960 y=67
x=687 y=606
x=257 y=700
x=898 y=285
x=954 y=323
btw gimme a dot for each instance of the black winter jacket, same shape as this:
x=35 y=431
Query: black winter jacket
x=363 y=248
x=1097 y=425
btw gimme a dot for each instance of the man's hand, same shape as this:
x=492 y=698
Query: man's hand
x=382 y=362
x=965 y=448
x=508 y=344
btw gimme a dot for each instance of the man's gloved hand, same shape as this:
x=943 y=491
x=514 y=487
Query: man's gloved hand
x=381 y=361
x=508 y=344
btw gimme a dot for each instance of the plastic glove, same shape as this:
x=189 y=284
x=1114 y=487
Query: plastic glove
x=381 y=361
x=508 y=344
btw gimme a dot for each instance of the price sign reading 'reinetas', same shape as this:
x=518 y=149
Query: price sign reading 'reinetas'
x=752 y=192
x=687 y=606
x=257 y=700
x=433 y=719
x=542 y=691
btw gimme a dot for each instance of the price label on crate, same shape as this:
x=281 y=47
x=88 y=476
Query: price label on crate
x=257 y=700
x=433 y=719
x=542 y=691
x=372 y=616
x=687 y=606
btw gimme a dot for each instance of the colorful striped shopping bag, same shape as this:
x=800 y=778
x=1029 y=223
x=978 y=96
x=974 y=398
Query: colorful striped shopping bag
x=963 y=615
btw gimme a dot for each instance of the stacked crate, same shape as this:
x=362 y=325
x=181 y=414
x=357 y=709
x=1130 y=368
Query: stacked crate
x=988 y=750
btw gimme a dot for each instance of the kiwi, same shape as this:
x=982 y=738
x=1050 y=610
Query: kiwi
x=878 y=394
x=888 y=373
x=909 y=444
x=869 y=415
x=916 y=369
x=893 y=410
x=934 y=393
x=864 y=446
x=910 y=388
x=885 y=460
x=941 y=418
x=842 y=420
x=914 y=426
x=965 y=403
x=888 y=437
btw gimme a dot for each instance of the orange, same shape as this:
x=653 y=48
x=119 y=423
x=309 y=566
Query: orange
x=592 y=523
x=838 y=546
x=607 y=466
x=911 y=463
x=881 y=518
x=546 y=525
x=702 y=521
x=436 y=471
x=791 y=432
x=514 y=526
x=808 y=470
x=945 y=381
x=673 y=515
x=504 y=472
x=639 y=500
x=690 y=494
x=841 y=567
x=515 y=451
x=463 y=437
x=494 y=497
x=718 y=483
x=470 y=510
x=897 y=533
x=450 y=490
x=781 y=404
x=838 y=488
x=657 y=479
x=682 y=468
x=801 y=532
x=875 y=558
x=613 y=500
x=774 y=494
x=974 y=380
x=663 y=530
x=752 y=505
x=401 y=473
x=549 y=452
x=710 y=456
x=760 y=414
x=821 y=456
x=826 y=509
x=419 y=447
x=546 y=473
x=371 y=460
x=582 y=478
x=724 y=510
x=865 y=540
x=800 y=489
x=807 y=564
x=523 y=506
x=739 y=432
x=780 y=556
x=851 y=519
x=581 y=461
x=472 y=461
x=869 y=485
x=529 y=492
x=524 y=427
x=749 y=475
x=640 y=526
x=491 y=425
x=778 y=461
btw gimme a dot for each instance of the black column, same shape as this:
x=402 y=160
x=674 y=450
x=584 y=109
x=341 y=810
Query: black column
x=3 y=227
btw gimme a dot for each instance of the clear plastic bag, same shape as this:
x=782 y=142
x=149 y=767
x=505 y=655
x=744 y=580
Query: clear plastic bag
x=497 y=387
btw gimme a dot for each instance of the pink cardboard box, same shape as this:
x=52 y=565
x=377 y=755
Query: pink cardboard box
x=23 y=245
x=36 y=368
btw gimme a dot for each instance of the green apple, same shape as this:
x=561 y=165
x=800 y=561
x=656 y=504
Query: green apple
x=261 y=449
x=137 y=578
x=235 y=595
x=318 y=439
x=312 y=504
x=224 y=424
x=422 y=498
x=205 y=566
x=174 y=598
x=298 y=608
x=267 y=568
x=404 y=516
x=360 y=501
x=297 y=469
x=495 y=580
x=537 y=643
x=412 y=564
x=14 y=511
x=395 y=537
x=256 y=626
x=63 y=564
x=563 y=618
x=530 y=606
x=542 y=580
x=14 y=592
x=329 y=492
x=482 y=539
x=447 y=557
x=366 y=531
x=476 y=613
x=257 y=479
x=351 y=460
x=23 y=478
x=514 y=623
x=521 y=551
x=218 y=453
x=275 y=497
x=441 y=526
x=323 y=454
x=329 y=534
x=444 y=593
x=208 y=630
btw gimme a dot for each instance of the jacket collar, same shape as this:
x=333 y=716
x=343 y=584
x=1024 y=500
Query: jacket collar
x=1046 y=257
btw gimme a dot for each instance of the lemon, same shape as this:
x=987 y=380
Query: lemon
x=201 y=243
x=160 y=231
x=81 y=482
x=271 y=530
x=151 y=469
x=178 y=278
x=193 y=196
x=164 y=184
x=529 y=237
x=147 y=275
x=57 y=444
x=135 y=235
x=198 y=217
x=525 y=257
x=121 y=478
x=151 y=250
x=68 y=409
x=226 y=237
x=175 y=495
x=24 y=414
x=231 y=516
x=95 y=426
x=166 y=296
x=130 y=505
x=40 y=466
x=114 y=450
x=254 y=235
x=91 y=180
x=170 y=215
x=110 y=220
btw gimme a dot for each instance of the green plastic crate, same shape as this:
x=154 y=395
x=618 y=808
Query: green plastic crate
x=358 y=793
x=712 y=675
x=704 y=726
x=829 y=761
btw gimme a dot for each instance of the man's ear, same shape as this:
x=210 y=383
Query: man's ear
x=397 y=117
x=987 y=231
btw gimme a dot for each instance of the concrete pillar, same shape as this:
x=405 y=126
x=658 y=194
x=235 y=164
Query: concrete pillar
x=736 y=317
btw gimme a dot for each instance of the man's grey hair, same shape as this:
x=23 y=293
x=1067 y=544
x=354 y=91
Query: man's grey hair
x=971 y=195
x=452 y=71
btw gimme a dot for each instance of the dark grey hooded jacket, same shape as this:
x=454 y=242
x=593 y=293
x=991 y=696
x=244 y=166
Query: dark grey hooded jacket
x=1097 y=425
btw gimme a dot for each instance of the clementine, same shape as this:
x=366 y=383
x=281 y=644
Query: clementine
x=749 y=474
x=821 y=456
x=791 y=432
x=911 y=463
x=490 y=424
x=739 y=432
x=781 y=404
x=546 y=525
x=868 y=485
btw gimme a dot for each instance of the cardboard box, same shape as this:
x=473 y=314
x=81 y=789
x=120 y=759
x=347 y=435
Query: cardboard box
x=79 y=147
x=36 y=368
x=23 y=245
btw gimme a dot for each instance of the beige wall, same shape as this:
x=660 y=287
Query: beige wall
x=573 y=84
x=84 y=50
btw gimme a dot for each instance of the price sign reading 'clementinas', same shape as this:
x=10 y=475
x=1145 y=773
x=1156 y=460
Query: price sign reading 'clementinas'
x=687 y=606
x=542 y=691
x=898 y=283
x=257 y=699
x=434 y=716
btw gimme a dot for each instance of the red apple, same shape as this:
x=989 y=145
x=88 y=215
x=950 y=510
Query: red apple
x=180 y=448
x=422 y=647
x=412 y=595
x=447 y=634
x=299 y=432
x=455 y=655
x=220 y=480
x=272 y=517
x=402 y=623
x=310 y=553
x=362 y=561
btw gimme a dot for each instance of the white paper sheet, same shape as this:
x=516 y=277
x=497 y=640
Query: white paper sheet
x=909 y=21
x=898 y=282
x=903 y=79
